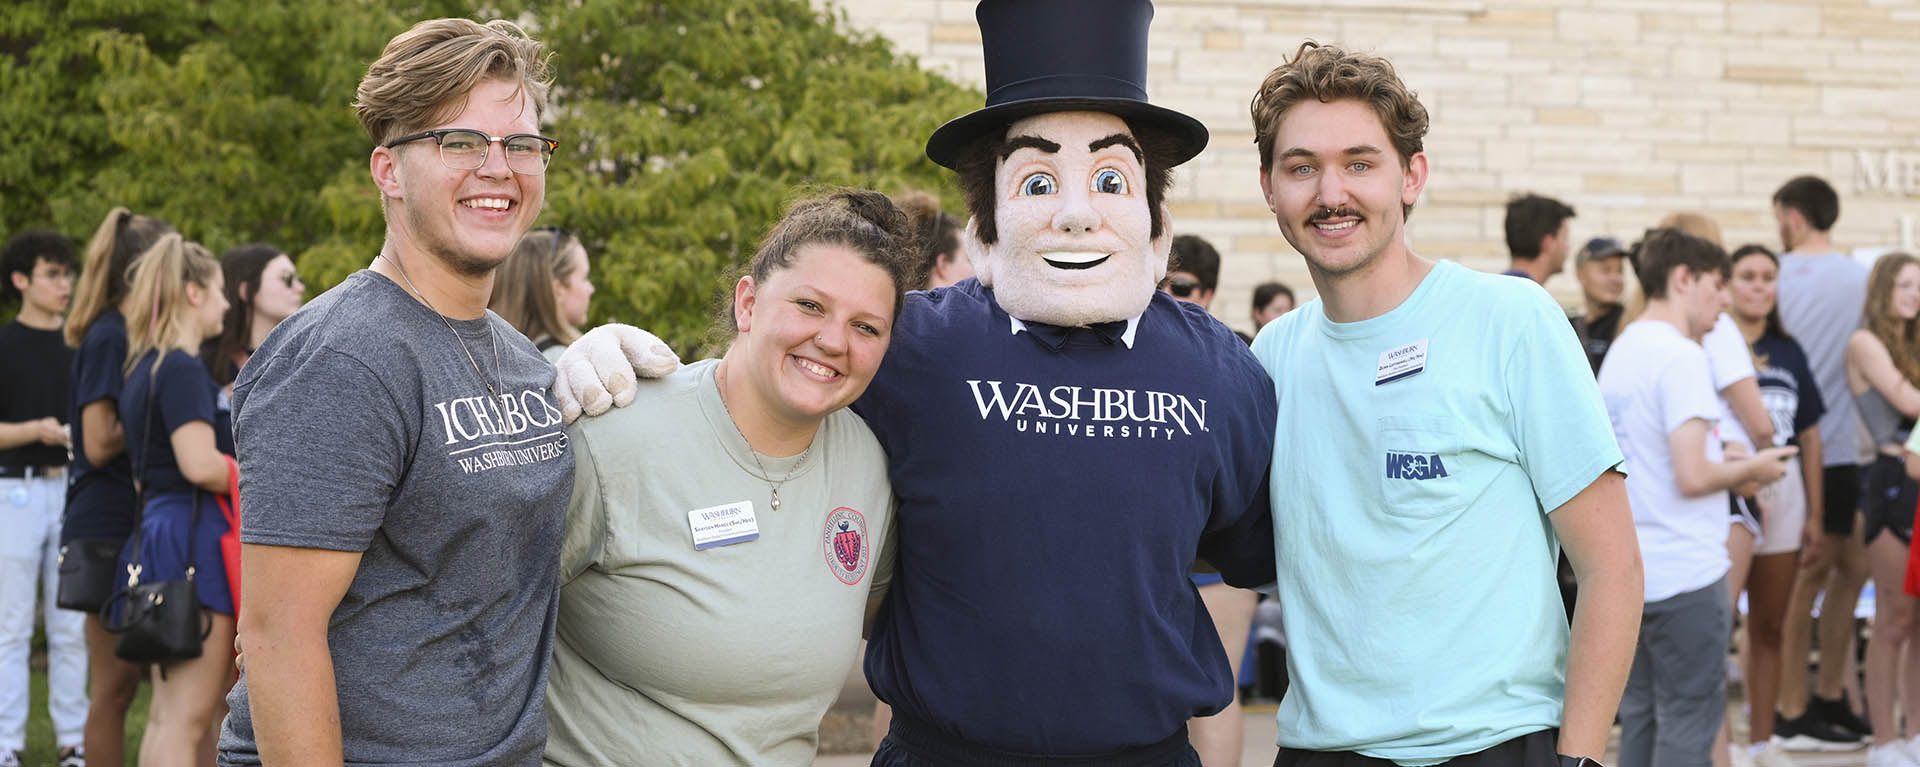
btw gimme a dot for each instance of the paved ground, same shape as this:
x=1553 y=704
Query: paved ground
x=849 y=722
x=1259 y=749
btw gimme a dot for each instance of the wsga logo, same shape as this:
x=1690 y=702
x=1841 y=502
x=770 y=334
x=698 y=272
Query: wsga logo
x=1402 y=465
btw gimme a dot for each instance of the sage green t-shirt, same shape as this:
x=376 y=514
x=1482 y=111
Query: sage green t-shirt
x=730 y=654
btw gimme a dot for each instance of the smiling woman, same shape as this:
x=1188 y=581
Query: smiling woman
x=736 y=500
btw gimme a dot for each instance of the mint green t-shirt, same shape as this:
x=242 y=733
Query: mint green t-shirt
x=1417 y=457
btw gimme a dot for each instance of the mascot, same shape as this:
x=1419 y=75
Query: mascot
x=1063 y=439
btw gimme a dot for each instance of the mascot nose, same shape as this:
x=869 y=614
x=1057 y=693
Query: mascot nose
x=1076 y=216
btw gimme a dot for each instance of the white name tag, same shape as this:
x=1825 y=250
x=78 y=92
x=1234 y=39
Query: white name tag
x=723 y=525
x=1401 y=362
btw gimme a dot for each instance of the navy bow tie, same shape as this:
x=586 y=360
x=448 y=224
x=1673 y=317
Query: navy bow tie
x=1055 y=336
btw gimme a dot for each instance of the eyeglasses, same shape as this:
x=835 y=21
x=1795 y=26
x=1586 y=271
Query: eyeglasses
x=1181 y=287
x=291 y=279
x=466 y=149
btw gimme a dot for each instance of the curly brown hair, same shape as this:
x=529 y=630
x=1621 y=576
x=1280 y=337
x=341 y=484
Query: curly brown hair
x=1329 y=73
x=1897 y=334
x=424 y=73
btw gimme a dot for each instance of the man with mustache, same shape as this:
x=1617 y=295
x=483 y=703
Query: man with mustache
x=1458 y=441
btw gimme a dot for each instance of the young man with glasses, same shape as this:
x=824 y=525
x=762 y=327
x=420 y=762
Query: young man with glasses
x=38 y=267
x=404 y=469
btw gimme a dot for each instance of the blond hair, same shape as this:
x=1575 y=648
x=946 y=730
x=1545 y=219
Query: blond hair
x=1897 y=334
x=119 y=240
x=423 y=76
x=1327 y=73
x=157 y=297
x=1695 y=224
x=523 y=285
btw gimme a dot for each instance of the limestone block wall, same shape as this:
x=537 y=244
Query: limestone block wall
x=1625 y=109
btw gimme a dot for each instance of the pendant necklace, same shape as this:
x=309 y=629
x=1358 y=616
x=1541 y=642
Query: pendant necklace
x=764 y=475
x=456 y=334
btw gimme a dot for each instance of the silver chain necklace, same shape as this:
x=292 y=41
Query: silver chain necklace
x=456 y=334
x=764 y=475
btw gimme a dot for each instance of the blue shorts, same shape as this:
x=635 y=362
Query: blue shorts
x=165 y=533
x=1206 y=579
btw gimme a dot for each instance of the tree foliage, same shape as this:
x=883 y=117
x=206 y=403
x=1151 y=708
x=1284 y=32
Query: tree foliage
x=685 y=128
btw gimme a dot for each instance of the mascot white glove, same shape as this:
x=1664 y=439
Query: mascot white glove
x=603 y=369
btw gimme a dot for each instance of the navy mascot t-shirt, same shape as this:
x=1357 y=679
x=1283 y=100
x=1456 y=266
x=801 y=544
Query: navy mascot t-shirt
x=1055 y=486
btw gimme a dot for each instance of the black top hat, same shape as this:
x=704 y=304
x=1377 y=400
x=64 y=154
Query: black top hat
x=1064 y=55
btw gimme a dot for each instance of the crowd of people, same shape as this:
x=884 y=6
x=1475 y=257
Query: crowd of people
x=1018 y=455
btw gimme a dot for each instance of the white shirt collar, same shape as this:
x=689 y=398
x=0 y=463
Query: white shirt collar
x=1133 y=325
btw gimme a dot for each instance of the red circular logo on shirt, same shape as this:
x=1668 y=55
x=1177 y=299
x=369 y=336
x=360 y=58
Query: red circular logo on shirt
x=845 y=540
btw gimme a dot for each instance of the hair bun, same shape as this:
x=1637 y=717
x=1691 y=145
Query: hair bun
x=877 y=209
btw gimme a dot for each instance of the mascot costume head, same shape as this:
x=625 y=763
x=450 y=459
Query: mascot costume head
x=1066 y=168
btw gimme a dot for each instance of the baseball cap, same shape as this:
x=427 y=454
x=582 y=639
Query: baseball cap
x=1598 y=247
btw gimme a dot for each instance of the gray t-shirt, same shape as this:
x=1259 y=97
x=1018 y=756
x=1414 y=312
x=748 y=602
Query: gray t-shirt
x=363 y=426
x=1822 y=301
x=676 y=653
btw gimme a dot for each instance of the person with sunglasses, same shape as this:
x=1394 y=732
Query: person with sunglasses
x=404 y=469
x=542 y=289
x=1192 y=276
x=1194 y=271
x=263 y=288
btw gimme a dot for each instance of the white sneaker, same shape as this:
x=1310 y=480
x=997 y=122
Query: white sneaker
x=1737 y=756
x=1912 y=748
x=1772 y=756
x=1889 y=755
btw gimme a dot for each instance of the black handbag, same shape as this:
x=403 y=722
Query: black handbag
x=87 y=570
x=161 y=621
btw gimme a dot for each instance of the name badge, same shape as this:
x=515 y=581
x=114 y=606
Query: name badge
x=1401 y=362
x=723 y=525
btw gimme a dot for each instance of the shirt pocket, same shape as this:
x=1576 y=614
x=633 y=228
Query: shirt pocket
x=1419 y=457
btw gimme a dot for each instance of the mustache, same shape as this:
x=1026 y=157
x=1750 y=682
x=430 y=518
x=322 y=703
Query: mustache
x=1326 y=213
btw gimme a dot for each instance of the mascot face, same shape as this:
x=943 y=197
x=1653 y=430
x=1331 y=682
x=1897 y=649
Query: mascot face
x=1074 y=243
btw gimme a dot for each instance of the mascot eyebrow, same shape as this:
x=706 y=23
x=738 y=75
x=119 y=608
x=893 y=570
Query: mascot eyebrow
x=1120 y=139
x=1008 y=147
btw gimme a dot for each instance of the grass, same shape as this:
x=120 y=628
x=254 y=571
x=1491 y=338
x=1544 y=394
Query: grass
x=41 y=750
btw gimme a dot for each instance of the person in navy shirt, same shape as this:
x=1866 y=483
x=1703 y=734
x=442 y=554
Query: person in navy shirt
x=167 y=409
x=99 y=511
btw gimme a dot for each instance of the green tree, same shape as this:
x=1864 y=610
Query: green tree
x=686 y=126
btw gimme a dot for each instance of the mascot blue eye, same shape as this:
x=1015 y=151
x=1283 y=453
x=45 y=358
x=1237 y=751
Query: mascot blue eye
x=1038 y=184
x=1109 y=181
